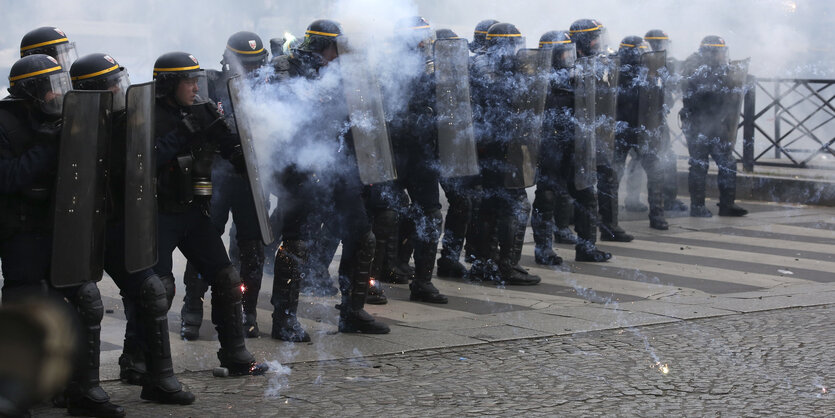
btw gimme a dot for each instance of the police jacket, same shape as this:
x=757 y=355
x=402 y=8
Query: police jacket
x=629 y=85
x=413 y=128
x=185 y=151
x=558 y=121
x=705 y=90
x=28 y=161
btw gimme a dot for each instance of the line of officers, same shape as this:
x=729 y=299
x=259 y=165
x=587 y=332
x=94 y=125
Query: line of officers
x=99 y=175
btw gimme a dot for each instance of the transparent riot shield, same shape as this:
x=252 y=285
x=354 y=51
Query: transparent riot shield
x=607 y=71
x=237 y=91
x=585 y=162
x=368 y=121
x=651 y=99
x=79 y=227
x=532 y=69
x=734 y=85
x=140 y=179
x=456 y=139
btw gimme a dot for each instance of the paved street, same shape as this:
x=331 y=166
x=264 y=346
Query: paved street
x=739 y=311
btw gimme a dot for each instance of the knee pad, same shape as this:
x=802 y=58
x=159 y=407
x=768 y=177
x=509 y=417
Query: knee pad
x=87 y=301
x=153 y=297
x=545 y=201
x=365 y=247
x=385 y=221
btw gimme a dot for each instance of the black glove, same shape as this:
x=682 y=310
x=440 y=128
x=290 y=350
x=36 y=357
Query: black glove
x=236 y=158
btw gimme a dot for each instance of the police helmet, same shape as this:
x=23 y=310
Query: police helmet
x=172 y=67
x=101 y=72
x=504 y=38
x=446 y=34
x=631 y=48
x=40 y=79
x=479 y=42
x=320 y=35
x=714 y=49
x=590 y=37
x=245 y=49
x=51 y=41
x=565 y=52
x=658 y=40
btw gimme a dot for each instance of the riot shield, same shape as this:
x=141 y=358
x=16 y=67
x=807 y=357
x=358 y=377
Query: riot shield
x=735 y=84
x=237 y=90
x=532 y=69
x=79 y=227
x=140 y=179
x=368 y=122
x=651 y=99
x=607 y=71
x=456 y=139
x=585 y=166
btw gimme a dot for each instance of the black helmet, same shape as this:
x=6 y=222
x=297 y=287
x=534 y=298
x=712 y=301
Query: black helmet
x=415 y=33
x=504 y=39
x=51 y=41
x=245 y=49
x=320 y=35
x=631 y=48
x=565 y=52
x=171 y=68
x=479 y=42
x=590 y=37
x=101 y=72
x=446 y=34
x=40 y=79
x=658 y=40
x=714 y=49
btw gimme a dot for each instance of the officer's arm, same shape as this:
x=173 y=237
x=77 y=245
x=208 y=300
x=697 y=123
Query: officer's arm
x=168 y=145
x=18 y=172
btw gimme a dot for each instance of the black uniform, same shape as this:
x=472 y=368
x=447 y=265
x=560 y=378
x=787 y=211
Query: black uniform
x=309 y=199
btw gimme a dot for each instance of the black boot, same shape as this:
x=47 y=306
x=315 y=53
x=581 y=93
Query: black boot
x=160 y=385
x=85 y=397
x=727 y=207
x=655 y=197
x=696 y=185
x=512 y=237
x=285 y=300
x=191 y=315
x=227 y=316
x=451 y=268
x=425 y=291
x=700 y=211
x=732 y=210
x=354 y=285
x=562 y=219
x=376 y=296
x=546 y=257
x=614 y=233
x=252 y=271
x=455 y=230
x=589 y=252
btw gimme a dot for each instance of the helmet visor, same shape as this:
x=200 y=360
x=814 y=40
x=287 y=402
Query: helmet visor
x=65 y=55
x=49 y=92
x=192 y=89
x=118 y=84
x=564 y=56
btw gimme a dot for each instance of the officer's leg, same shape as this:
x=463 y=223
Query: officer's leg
x=484 y=245
x=386 y=201
x=669 y=173
x=723 y=155
x=84 y=394
x=608 y=180
x=698 y=147
x=251 y=254
x=204 y=247
x=512 y=223
x=652 y=165
x=473 y=233
x=25 y=260
x=585 y=216
x=634 y=181
x=542 y=223
x=423 y=189
x=455 y=227
x=354 y=269
x=317 y=280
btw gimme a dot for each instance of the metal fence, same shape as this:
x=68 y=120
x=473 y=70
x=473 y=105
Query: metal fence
x=794 y=126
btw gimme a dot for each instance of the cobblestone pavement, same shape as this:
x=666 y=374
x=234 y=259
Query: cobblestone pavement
x=764 y=363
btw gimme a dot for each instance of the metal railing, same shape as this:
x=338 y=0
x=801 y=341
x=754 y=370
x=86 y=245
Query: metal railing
x=796 y=124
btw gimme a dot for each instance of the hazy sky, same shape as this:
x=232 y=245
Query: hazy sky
x=783 y=37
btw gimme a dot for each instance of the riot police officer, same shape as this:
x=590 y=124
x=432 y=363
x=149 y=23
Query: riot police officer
x=51 y=41
x=710 y=124
x=637 y=85
x=414 y=139
x=591 y=39
x=30 y=122
x=188 y=132
x=504 y=210
x=314 y=194
x=479 y=43
x=557 y=163
x=146 y=301
x=244 y=56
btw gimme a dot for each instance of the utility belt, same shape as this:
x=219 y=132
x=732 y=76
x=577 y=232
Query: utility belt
x=184 y=182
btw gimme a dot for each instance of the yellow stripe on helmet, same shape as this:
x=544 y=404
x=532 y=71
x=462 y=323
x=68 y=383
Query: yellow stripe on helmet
x=174 y=69
x=238 y=51
x=568 y=41
x=598 y=27
x=419 y=27
x=33 y=73
x=716 y=45
x=97 y=73
x=504 y=35
x=482 y=32
x=313 y=32
x=656 y=38
x=55 y=41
